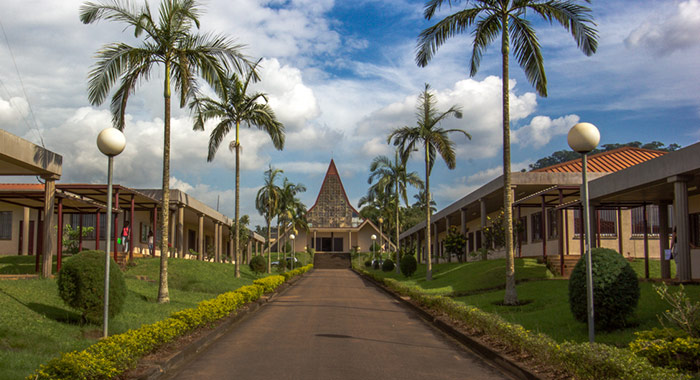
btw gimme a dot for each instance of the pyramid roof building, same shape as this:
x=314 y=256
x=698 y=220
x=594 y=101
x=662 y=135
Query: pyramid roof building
x=332 y=208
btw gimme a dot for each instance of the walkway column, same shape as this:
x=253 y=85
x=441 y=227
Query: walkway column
x=482 y=208
x=620 y=247
x=116 y=226
x=49 y=200
x=520 y=235
x=560 y=233
x=447 y=232
x=200 y=241
x=155 y=229
x=646 y=241
x=59 y=235
x=25 y=232
x=80 y=232
x=249 y=256
x=680 y=213
x=216 y=241
x=180 y=231
x=349 y=240
x=133 y=227
x=543 y=226
x=663 y=240
x=463 y=231
x=97 y=230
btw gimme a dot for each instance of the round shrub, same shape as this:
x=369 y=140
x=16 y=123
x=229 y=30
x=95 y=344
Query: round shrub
x=388 y=265
x=375 y=264
x=368 y=263
x=615 y=289
x=258 y=264
x=408 y=265
x=81 y=285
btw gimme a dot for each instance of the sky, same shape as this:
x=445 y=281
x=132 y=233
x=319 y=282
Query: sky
x=340 y=76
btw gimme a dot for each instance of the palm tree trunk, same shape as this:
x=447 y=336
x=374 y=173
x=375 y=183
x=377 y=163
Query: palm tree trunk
x=429 y=262
x=511 y=296
x=398 y=270
x=237 y=237
x=163 y=295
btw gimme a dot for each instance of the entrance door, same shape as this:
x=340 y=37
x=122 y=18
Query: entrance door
x=338 y=244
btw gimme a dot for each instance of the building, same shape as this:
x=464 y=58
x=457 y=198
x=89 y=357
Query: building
x=334 y=224
x=547 y=208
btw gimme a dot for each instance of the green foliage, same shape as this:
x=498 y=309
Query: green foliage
x=368 y=263
x=81 y=285
x=615 y=289
x=388 y=265
x=668 y=348
x=408 y=265
x=455 y=243
x=495 y=232
x=71 y=238
x=683 y=313
x=258 y=264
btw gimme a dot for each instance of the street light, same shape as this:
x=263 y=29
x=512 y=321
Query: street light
x=381 y=236
x=110 y=142
x=374 y=248
x=583 y=138
x=292 y=237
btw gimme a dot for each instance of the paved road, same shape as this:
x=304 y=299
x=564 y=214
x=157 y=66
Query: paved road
x=333 y=325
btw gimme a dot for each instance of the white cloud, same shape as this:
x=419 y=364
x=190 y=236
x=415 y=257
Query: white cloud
x=664 y=34
x=304 y=167
x=542 y=129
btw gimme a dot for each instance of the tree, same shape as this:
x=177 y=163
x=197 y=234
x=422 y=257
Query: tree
x=289 y=205
x=394 y=179
x=421 y=202
x=233 y=108
x=169 y=42
x=507 y=18
x=435 y=141
x=266 y=202
x=243 y=233
x=455 y=244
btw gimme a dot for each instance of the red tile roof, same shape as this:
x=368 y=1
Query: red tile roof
x=22 y=186
x=606 y=162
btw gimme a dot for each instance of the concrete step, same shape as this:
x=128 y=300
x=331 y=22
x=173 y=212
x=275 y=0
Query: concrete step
x=570 y=261
x=336 y=260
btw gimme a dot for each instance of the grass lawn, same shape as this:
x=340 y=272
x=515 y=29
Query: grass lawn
x=36 y=325
x=548 y=310
x=21 y=264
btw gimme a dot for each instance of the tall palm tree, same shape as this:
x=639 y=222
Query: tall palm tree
x=393 y=177
x=287 y=207
x=266 y=202
x=420 y=198
x=168 y=41
x=435 y=141
x=233 y=108
x=507 y=18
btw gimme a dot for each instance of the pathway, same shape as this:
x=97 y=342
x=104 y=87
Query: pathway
x=332 y=324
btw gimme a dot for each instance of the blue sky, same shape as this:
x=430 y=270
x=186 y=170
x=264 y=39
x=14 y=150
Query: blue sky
x=341 y=75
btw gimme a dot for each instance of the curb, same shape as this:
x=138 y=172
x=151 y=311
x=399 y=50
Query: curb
x=160 y=370
x=493 y=357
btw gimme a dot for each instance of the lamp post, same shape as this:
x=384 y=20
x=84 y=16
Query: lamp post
x=110 y=142
x=292 y=237
x=583 y=138
x=374 y=248
x=381 y=236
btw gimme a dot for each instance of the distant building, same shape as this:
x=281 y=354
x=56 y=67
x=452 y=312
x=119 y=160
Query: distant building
x=334 y=224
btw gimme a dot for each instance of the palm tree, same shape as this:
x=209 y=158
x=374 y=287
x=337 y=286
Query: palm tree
x=420 y=198
x=435 y=141
x=233 y=108
x=183 y=54
x=394 y=179
x=266 y=202
x=288 y=205
x=507 y=17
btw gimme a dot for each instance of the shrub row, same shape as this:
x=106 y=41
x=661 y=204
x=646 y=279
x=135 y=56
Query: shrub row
x=114 y=355
x=579 y=360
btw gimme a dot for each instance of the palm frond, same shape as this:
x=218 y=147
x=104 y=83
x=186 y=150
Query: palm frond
x=527 y=52
x=433 y=37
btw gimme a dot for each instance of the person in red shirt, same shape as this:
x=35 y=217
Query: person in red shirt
x=126 y=231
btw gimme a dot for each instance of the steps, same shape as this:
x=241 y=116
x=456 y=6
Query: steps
x=554 y=262
x=335 y=260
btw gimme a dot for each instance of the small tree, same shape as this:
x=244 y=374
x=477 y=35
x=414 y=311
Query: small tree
x=495 y=232
x=455 y=244
x=71 y=238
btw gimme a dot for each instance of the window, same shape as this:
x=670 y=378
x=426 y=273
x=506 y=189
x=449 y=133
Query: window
x=536 y=222
x=607 y=221
x=652 y=220
x=552 y=224
x=522 y=230
x=143 y=232
x=5 y=225
x=89 y=220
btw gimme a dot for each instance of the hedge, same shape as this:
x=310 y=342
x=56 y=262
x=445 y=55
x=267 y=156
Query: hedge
x=116 y=354
x=579 y=360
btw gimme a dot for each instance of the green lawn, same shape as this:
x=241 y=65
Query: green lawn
x=36 y=325
x=548 y=308
x=21 y=264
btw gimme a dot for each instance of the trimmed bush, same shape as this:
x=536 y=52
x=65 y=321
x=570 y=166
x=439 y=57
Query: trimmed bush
x=81 y=285
x=258 y=264
x=388 y=265
x=668 y=348
x=269 y=283
x=408 y=265
x=615 y=289
x=368 y=263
